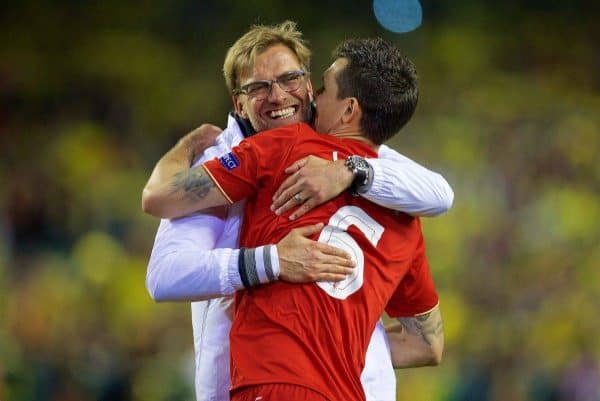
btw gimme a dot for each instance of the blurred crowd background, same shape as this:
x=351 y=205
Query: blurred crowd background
x=92 y=93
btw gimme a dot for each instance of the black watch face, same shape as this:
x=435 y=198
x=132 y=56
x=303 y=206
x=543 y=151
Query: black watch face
x=360 y=163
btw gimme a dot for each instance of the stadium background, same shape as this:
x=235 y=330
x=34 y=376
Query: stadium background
x=92 y=93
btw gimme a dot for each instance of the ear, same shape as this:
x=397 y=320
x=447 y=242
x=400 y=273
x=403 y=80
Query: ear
x=239 y=107
x=309 y=88
x=353 y=112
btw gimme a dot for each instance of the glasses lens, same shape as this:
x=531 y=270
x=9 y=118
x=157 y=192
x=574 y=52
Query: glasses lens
x=290 y=81
x=257 y=89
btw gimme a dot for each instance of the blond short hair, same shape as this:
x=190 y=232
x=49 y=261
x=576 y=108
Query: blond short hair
x=241 y=56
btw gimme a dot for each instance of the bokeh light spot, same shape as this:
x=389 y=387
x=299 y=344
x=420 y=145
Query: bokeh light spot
x=398 y=16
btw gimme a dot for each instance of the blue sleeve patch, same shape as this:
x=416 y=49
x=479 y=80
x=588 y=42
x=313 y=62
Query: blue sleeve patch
x=229 y=161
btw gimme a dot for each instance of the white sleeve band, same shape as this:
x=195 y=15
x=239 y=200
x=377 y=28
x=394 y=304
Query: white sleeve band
x=255 y=266
x=275 y=261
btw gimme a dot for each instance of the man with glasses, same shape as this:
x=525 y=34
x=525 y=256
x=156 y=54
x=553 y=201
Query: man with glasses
x=196 y=258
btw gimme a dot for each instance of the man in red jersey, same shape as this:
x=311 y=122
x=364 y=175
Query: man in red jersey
x=308 y=341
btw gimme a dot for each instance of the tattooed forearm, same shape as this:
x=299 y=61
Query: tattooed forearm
x=428 y=325
x=417 y=340
x=193 y=183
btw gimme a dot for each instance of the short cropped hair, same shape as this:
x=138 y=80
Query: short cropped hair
x=241 y=56
x=383 y=81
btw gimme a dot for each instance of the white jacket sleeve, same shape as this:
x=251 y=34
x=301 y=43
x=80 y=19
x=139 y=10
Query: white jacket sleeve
x=184 y=266
x=400 y=183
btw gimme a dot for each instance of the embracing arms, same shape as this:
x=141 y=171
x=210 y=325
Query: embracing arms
x=196 y=257
x=176 y=188
x=398 y=183
x=181 y=269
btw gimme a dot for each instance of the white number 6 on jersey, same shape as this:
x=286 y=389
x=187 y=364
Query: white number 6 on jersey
x=335 y=234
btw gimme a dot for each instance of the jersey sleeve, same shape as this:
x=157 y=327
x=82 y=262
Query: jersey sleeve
x=416 y=292
x=235 y=173
x=240 y=173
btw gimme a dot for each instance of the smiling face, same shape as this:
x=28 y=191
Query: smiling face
x=279 y=108
x=330 y=109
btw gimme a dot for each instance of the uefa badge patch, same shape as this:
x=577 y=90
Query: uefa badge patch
x=229 y=161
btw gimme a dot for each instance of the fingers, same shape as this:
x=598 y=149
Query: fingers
x=210 y=130
x=297 y=200
x=323 y=253
x=331 y=251
x=333 y=277
x=205 y=133
x=339 y=261
x=297 y=165
x=307 y=231
x=293 y=184
x=285 y=191
x=279 y=197
x=329 y=255
x=199 y=139
x=303 y=209
x=332 y=272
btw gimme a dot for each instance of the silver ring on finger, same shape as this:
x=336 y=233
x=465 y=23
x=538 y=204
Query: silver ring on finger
x=298 y=198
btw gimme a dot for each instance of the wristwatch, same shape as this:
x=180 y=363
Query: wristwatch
x=362 y=172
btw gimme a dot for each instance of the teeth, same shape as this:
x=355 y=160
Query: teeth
x=283 y=113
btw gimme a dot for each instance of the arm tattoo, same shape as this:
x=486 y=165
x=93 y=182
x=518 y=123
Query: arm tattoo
x=428 y=325
x=193 y=182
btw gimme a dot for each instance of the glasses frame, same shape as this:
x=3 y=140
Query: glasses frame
x=243 y=90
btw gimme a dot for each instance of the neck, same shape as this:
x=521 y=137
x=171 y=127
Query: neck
x=355 y=134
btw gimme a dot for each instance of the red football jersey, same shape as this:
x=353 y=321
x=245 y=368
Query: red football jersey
x=316 y=334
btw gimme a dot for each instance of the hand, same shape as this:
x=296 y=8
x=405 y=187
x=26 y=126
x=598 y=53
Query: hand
x=157 y=196
x=312 y=181
x=196 y=141
x=302 y=260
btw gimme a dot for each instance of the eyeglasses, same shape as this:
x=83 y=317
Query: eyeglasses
x=259 y=90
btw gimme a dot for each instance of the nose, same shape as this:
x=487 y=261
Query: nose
x=276 y=93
